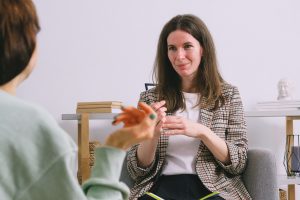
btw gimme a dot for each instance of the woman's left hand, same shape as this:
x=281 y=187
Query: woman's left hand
x=176 y=125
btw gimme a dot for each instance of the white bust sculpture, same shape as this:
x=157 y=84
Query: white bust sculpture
x=284 y=89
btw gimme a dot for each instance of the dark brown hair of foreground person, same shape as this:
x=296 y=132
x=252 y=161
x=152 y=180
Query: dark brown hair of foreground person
x=19 y=26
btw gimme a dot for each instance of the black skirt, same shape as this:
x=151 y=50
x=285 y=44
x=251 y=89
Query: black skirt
x=179 y=187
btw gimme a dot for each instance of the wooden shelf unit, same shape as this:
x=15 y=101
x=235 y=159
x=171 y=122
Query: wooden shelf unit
x=289 y=116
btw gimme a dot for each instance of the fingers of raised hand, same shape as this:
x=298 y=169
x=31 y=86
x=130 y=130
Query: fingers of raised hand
x=161 y=115
x=158 y=105
x=173 y=132
x=159 y=126
x=145 y=129
x=160 y=123
x=148 y=111
x=129 y=116
x=132 y=116
x=128 y=120
x=174 y=119
x=134 y=112
x=173 y=126
x=146 y=108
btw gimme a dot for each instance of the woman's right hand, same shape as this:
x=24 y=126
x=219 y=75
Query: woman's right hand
x=160 y=109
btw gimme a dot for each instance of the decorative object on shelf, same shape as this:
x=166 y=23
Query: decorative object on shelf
x=285 y=89
x=284 y=102
x=292 y=155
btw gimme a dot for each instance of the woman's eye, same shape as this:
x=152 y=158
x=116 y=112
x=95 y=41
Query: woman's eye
x=171 y=48
x=188 y=46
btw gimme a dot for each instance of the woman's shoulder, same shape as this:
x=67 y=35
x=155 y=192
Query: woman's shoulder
x=228 y=89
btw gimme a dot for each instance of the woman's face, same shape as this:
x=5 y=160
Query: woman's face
x=184 y=52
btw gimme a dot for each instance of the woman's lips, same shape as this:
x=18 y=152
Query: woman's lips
x=182 y=66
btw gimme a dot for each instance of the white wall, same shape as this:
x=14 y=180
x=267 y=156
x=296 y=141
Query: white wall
x=104 y=50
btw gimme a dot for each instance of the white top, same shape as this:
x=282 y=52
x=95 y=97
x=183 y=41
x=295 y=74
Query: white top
x=182 y=150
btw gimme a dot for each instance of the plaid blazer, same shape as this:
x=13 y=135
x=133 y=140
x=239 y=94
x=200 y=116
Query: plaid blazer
x=228 y=123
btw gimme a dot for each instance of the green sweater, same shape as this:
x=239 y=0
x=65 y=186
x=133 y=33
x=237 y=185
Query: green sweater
x=38 y=159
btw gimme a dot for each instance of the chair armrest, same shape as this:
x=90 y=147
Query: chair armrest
x=260 y=176
x=125 y=176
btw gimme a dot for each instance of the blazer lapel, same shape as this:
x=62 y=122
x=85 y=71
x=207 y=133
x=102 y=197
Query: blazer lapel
x=205 y=118
x=206 y=113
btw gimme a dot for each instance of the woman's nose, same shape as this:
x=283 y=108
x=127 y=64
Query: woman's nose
x=180 y=54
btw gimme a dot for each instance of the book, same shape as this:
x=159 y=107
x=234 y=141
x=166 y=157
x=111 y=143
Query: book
x=99 y=107
x=98 y=110
x=100 y=103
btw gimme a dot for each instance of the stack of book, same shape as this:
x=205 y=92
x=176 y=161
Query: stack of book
x=99 y=107
x=278 y=105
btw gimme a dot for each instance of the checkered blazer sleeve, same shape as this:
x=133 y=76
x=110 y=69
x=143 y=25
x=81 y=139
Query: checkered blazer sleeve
x=135 y=171
x=236 y=135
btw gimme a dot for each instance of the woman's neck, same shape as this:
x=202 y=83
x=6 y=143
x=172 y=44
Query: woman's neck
x=11 y=86
x=187 y=86
x=9 y=89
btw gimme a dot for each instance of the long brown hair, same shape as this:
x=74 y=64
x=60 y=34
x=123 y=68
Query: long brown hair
x=208 y=81
x=19 y=26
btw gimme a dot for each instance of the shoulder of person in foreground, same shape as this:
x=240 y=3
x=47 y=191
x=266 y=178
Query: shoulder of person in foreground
x=28 y=120
x=36 y=150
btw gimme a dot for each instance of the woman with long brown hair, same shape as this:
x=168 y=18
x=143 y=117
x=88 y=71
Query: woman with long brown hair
x=200 y=142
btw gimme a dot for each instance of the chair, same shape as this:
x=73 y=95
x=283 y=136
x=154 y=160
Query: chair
x=260 y=176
